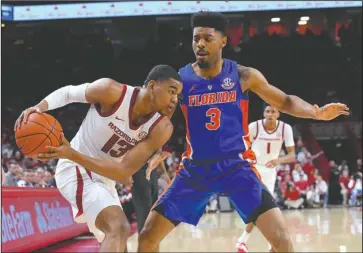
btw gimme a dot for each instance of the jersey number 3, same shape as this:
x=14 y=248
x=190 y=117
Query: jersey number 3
x=215 y=119
x=116 y=151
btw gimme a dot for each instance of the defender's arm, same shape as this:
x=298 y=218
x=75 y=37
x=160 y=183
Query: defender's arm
x=252 y=79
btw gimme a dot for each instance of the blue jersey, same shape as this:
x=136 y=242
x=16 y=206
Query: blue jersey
x=216 y=114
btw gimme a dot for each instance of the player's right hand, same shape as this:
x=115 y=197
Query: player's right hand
x=154 y=162
x=331 y=111
x=25 y=115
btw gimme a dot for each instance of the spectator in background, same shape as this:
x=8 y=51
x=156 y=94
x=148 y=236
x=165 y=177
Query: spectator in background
x=40 y=171
x=39 y=175
x=162 y=184
x=27 y=179
x=316 y=173
x=298 y=173
x=285 y=182
x=355 y=184
x=32 y=178
x=292 y=197
x=30 y=163
x=173 y=169
x=302 y=186
x=343 y=165
x=2 y=176
x=12 y=176
x=21 y=182
x=304 y=156
x=359 y=165
x=48 y=179
x=299 y=145
x=334 y=186
x=344 y=182
x=321 y=191
x=311 y=172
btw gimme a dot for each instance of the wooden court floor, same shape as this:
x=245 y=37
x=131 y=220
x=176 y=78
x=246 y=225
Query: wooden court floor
x=312 y=230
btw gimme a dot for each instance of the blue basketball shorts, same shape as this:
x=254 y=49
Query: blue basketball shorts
x=187 y=196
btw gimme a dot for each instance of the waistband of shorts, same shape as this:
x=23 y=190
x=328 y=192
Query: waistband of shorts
x=212 y=161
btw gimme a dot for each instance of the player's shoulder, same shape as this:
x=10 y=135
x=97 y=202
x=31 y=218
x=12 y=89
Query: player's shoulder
x=184 y=70
x=110 y=85
x=253 y=123
x=249 y=75
x=242 y=69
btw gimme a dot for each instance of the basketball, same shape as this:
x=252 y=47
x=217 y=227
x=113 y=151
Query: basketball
x=40 y=130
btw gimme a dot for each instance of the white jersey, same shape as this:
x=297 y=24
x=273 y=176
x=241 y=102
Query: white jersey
x=267 y=145
x=108 y=136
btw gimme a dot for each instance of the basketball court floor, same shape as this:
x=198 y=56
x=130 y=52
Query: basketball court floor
x=312 y=230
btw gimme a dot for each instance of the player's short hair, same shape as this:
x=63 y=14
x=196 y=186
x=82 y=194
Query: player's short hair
x=210 y=19
x=162 y=73
x=265 y=105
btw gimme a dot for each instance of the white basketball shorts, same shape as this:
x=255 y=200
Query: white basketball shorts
x=268 y=176
x=87 y=194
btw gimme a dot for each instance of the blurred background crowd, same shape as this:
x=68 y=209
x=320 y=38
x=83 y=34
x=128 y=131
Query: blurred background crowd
x=320 y=61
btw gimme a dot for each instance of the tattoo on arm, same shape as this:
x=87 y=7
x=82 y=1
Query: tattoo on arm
x=244 y=74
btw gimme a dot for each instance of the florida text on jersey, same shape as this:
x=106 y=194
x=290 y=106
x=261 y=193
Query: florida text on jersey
x=216 y=112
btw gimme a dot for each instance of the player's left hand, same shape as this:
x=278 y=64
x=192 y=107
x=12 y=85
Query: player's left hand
x=272 y=163
x=154 y=162
x=128 y=182
x=63 y=151
x=330 y=111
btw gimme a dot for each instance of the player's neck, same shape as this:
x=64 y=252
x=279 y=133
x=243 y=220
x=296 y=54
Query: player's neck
x=270 y=126
x=141 y=107
x=211 y=72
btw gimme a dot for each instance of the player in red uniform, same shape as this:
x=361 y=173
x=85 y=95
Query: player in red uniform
x=124 y=126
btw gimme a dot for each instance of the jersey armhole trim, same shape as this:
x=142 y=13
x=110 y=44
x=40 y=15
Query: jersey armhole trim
x=156 y=122
x=283 y=128
x=115 y=107
x=256 y=131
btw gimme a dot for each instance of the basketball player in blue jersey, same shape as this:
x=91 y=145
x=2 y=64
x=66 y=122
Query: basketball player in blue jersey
x=218 y=158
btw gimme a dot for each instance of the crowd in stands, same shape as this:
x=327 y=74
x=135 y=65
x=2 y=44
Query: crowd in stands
x=43 y=60
x=301 y=184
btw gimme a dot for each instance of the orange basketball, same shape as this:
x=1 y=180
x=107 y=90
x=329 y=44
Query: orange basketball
x=40 y=130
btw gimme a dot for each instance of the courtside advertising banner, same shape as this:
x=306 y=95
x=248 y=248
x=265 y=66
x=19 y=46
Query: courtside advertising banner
x=33 y=218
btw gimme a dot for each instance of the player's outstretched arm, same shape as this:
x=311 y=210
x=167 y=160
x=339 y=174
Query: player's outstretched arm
x=252 y=79
x=104 y=91
x=132 y=161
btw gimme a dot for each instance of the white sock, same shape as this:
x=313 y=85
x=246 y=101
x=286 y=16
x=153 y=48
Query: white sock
x=269 y=246
x=244 y=237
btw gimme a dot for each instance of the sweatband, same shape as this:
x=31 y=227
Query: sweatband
x=66 y=95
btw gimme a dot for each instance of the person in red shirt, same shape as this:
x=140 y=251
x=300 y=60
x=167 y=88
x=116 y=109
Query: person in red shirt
x=302 y=186
x=309 y=170
x=344 y=181
x=284 y=183
x=293 y=198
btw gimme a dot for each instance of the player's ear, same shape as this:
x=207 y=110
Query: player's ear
x=224 y=41
x=151 y=84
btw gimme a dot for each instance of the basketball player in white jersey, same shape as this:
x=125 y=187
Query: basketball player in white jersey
x=267 y=136
x=123 y=128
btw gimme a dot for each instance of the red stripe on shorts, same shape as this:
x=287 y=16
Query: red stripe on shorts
x=79 y=193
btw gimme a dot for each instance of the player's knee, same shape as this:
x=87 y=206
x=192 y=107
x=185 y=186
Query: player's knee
x=282 y=241
x=113 y=223
x=118 y=231
x=146 y=239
